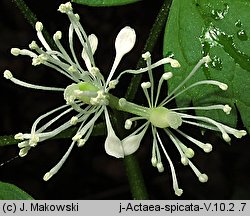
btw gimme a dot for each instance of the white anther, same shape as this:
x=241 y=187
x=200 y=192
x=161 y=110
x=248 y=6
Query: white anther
x=207 y=59
x=57 y=35
x=39 y=26
x=203 y=178
x=146 y=56
x=207 y=147
x=7 y=74
x=34 y=140
x=189 y=152
x=160 y=167
x=15 y=51
x=227 y=109
x=112 y=84
x=19 y=136
x=226 y=137
x=146 y=85
x=167 y=75
x=73 y=120
x=23 y=144
x=95 y=71
x=154 y=161
x=174 y=63
x=23 y=152
x=33 y=45
x=128 y=124
x=223 y=86
x=65 y=8
x=77 y=16
x=77 y=137
x=178 y=191
x=184 y=160
x=81 y=142
x=240 y=133
x=41 y=59
x=72 y=69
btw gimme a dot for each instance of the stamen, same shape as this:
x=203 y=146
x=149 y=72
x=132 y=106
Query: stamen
x=145 y=86
x=39 y=28
x=55 y=169
x=220 y=126
x=176 y=188
x=8 y=75
x=165 y=76
x=226 y=108
x=207 y=147
x=74 y=120
x=221 y=85
x=184 y=158
x=205 y=59
x=201 y=176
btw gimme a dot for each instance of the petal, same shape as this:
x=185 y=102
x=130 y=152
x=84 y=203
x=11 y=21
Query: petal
x=132 y=142
x=93 y=41
x=113 y=145
x=125 y=41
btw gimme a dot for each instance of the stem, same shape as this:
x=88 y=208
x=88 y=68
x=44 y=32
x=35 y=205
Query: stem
x=32 y=19
x=149 y=46
x=136 y=181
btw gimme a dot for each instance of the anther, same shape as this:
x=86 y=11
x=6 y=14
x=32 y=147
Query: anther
x=160 y=167
x=174 y=63
x=146 y=85
x=128 y=124
x=184 y=160
x=167 y=76
x=65 y=8
x=33 y=45
x=207 y=147
x=19 y=136
x=203 y=178
x=226 y=137
x=7 y=74
x=223 y=86
x=146 y=56
x=15 y=51
x=57 y=35
x=74 y=120
x=39 y=26
x=227 y=109
x=154 y=161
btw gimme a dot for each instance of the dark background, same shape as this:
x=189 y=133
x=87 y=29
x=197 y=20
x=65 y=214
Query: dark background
x=89 y=173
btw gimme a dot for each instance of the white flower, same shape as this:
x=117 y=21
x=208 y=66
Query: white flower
x=157 y=117
x=86 y=96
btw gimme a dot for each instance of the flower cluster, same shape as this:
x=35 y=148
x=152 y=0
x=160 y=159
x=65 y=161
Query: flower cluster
x=87 y=95
x=157 y=117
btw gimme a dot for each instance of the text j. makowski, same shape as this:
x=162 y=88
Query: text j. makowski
x=34 y=206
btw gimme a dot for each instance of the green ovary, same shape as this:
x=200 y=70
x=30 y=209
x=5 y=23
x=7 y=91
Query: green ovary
x=89 y=89
x=162 y=117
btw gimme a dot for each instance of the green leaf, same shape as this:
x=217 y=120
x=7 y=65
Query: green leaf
x=12 y=192
x=228 y=21
x=103 y=3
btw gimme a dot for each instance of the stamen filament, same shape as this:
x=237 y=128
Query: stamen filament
x=28 y=85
